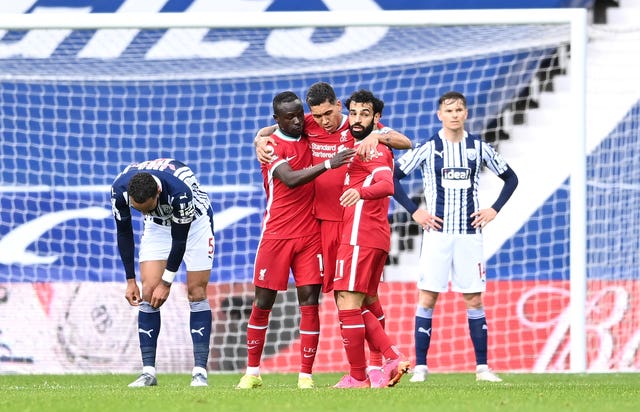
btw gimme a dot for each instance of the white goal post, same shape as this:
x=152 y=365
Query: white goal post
x=124 y=27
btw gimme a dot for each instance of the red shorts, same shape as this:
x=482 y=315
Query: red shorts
x=330 y=232
x=359 y=269
x=277 y=258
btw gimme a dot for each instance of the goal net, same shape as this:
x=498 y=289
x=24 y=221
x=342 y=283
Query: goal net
x=81 y=98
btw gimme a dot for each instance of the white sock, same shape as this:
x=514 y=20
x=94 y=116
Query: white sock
x=253 y=370
x=199 y=370
x=151 y=370
x=420 y=369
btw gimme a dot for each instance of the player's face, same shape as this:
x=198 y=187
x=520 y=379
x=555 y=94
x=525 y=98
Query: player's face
x=290 y=118
x=147 y=206
x=452 y=114
x=362 y=119
x=327 y=115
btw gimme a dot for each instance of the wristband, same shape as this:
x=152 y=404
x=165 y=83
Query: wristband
x=327 y=164
x=168 y=276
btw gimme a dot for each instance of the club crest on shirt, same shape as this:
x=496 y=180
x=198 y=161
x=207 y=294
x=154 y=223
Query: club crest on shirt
x=165 y=210
x=343 y=136
x=472 y=154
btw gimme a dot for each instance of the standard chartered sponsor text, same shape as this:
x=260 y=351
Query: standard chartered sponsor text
x=323 y=150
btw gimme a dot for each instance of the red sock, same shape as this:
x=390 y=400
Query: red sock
x=377 y=337
x=256 y=332
x=375 y=357
x=309 y=334
x=352 y=331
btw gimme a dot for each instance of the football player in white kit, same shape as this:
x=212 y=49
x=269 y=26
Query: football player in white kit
x=450 y=162
x=178 y=225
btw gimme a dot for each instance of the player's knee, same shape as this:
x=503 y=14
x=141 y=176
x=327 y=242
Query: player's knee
x=309 y=295
x=370 y=300
x=427 y=299
x=197 y=293
x=473 y=300
x=265 y=298
x=147 y=292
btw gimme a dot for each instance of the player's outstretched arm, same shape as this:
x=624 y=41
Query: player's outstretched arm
x=293 y=178
x=396 y=140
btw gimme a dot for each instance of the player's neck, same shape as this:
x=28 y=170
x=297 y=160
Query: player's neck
x=454 y=136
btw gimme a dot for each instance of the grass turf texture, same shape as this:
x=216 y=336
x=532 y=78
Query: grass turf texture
x=441 y=392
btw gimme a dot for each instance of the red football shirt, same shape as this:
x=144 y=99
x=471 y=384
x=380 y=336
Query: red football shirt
x=289 y=212
x=366 y=223
x=329 y=184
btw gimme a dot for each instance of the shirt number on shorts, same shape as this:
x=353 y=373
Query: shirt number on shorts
x=339 y=269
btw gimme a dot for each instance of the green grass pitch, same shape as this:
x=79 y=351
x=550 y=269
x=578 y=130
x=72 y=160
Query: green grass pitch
x=442 y=392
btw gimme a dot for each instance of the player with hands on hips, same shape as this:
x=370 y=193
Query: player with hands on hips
x=450 y=162
x=178 y=225
x=428 y=221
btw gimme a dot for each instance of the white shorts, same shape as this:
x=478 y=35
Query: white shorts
x=155 y=244
x=456 y=258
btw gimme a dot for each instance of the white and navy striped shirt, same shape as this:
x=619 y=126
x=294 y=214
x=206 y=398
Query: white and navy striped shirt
x=181 y=200
x=450 y=177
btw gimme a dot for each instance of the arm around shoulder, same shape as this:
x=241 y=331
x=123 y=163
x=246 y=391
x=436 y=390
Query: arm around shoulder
x=264 y=133
x=263 y=142
x=294 y=178
x=395 y=139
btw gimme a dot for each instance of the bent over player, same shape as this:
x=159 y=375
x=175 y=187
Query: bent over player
x=178 y=224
